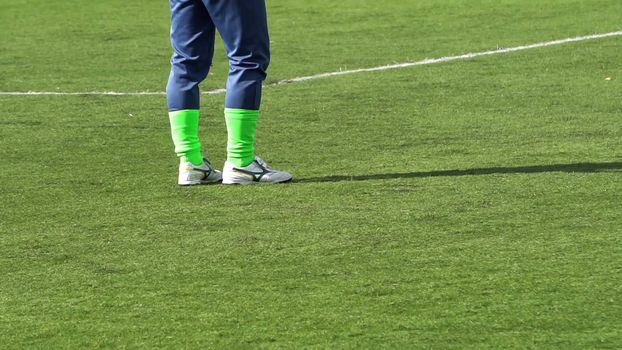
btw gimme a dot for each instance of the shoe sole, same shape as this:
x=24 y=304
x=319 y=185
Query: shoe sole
x=258 y=182
x=200 y=183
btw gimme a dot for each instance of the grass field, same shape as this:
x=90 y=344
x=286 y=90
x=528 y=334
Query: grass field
x=464 y=205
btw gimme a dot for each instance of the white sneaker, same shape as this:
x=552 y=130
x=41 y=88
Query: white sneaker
x=256 y=172
x=204 y=173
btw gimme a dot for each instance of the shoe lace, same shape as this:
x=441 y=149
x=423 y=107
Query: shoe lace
x=263 y=163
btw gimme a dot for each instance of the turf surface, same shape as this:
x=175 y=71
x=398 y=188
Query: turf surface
x=472 y=204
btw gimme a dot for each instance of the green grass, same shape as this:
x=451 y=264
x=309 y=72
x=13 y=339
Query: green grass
x=472 y=204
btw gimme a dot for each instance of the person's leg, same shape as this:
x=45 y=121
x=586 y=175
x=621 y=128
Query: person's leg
x=192 y=39
x=243 y=27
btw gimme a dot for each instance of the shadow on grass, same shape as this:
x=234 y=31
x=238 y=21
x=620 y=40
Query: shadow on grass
x=566 y=168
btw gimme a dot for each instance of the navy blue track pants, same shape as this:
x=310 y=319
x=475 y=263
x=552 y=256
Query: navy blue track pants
x=242 y=24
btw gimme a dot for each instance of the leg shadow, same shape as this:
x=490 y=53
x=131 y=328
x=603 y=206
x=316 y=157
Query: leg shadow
x=566 y=168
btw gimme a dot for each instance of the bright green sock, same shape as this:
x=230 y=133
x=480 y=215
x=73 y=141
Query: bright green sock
x=185 y=132
x=241 y=125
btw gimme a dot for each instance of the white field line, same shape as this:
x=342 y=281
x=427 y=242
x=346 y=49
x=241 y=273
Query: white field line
x=424 y=62
x=465 y=56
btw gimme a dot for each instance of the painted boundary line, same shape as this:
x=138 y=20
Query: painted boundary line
x=424 y=62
